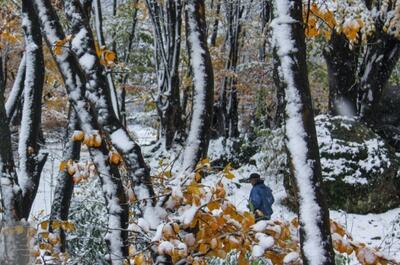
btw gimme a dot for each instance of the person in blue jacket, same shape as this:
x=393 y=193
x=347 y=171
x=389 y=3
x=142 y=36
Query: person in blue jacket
x=261 y=198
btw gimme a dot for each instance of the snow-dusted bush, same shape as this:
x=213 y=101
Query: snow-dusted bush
x=86 y=245
x=359 y=170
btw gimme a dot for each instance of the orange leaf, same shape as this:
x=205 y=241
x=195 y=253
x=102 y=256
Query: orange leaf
x=213 y=205
x=63 y=165
x=109 y=56
x=139 y=259
x=203 y=248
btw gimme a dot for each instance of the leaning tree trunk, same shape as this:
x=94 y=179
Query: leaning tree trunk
x=342 y=62
x=65 y=185
x=315 y=239
x=99 y=96
x=16 y=90
x=110 y=179
x=203 y=85
x=31 y=161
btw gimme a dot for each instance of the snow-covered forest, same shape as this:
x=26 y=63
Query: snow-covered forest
x=131 y=132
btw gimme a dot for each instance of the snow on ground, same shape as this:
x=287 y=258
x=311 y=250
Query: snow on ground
x=376 y=230
x=381 y=231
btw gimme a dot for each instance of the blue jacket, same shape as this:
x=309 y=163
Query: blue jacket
x=261 y=199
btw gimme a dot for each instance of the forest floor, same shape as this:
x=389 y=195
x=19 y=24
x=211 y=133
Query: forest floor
x=381 y=231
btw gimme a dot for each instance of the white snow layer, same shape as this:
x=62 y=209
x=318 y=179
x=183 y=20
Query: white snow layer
x=199 y=80
x=121 y=140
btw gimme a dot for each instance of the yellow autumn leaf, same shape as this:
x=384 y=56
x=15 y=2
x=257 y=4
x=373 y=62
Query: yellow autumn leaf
x=68 y=226
x=44 y=235
x=8 y=37
x=139 y=259
x=176 y=228
x=44 y=225
x=227 y=172
x=45 y=246
x=194 y=189
x=55 y=224
x=203 y=248
x=78 y=136
x=168 y=173
x=197 y=176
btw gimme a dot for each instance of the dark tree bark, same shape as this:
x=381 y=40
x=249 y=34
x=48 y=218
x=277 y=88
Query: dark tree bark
x=87 y=7
x=13 y=248
x=110 y=179
x=11 y=197
x=102 y=43
x=128 y=49
x=203 y=85
x=266 y=16
x=342 y=62
x=127 y=52
x=31 y=161
x=214 y=33
x=167 y=19
x=315 y=238
x=279 y=118
x=380 y=57
x=357 y=89
x=65 y=185
x=227 y=113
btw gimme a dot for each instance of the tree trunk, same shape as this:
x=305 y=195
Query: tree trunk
x=98 y=94
x=110 y=179
x=127 y=52
x=31 y=161
x=266 y=16
x=13 y=248
x=342 y=62
x=65 y=185
x=227 y=116
x=279 y=118
x=381 y=55
x=214 y=34
x=315 y=239
x=102 y=43
x=10 y=192
x=87 y=7
x=16 y=91
x=203 y=85
x=167 y=19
